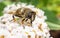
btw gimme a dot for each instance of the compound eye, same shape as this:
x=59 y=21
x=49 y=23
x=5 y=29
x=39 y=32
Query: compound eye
x=29 y=15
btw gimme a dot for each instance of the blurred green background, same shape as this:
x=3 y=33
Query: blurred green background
x=51 y=8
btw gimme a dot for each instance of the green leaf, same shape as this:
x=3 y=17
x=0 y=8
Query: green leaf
x=7 y=2
x=53 y=26
x=2 y=5
x=51 y=16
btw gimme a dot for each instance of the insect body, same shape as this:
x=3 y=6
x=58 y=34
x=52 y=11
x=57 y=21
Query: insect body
x=26 y=14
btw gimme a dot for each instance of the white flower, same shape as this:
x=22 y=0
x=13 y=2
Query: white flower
x=11 y=29
x=10 y=8
x=40 y=12
x=6 y=17
x=38 y=21
x=32 y=34
x=5 y=33
x=12 y=26
x=16 y=36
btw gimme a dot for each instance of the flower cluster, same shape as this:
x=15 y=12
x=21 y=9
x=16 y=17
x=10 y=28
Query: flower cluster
x=11 y=29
